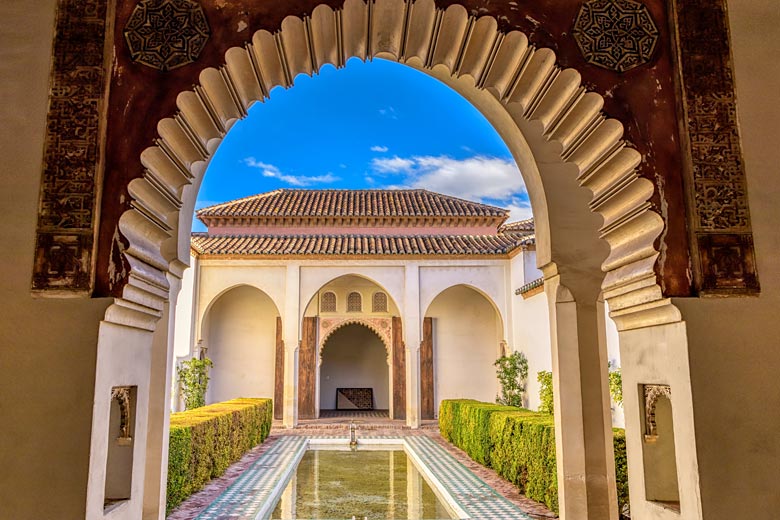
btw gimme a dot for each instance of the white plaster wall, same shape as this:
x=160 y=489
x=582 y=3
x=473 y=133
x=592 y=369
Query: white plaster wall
x=219 y=276
x=531 y=322
x=184 y=331
x=465 y=345
x=354 y=357
x=733 y=350
x=613 y=355
x=48 y=354
x=530 y=271
x=490 y=280
x=241 y=341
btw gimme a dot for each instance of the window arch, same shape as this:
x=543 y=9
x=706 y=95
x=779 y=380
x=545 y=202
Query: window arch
x=379 y=302
x=354 y=302
x=328 y=302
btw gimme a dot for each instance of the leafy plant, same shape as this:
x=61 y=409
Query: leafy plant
x=193 y=376
x=616 y=384
x=512 y=372
x=545 y=392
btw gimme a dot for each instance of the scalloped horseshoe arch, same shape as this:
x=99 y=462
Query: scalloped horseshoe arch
x=554 y=120
x=355 y=321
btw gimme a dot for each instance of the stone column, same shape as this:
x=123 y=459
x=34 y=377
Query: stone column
x=583 y=434
x=160 y=388
x=411 y=321
x=291 y=323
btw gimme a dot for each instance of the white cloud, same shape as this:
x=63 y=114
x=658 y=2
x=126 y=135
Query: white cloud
x=380 y=149
x=392 y=165
x=273 y=172
x=388 y=112
x=519 y=210
x=474 y=178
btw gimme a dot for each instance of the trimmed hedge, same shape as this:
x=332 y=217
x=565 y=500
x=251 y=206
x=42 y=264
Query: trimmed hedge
x=519 y=445
x=205 y=441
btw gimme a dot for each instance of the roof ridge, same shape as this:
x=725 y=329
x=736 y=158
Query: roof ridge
x=242 y=199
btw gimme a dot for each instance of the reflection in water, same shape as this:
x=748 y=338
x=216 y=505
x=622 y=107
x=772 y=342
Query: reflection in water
x=363 y=484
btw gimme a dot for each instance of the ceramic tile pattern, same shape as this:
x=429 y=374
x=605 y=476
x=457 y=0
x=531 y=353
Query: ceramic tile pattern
x=254 y=489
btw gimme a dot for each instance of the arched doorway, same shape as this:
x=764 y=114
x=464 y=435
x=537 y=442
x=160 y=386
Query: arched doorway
x=346 y=321
x=354 y=371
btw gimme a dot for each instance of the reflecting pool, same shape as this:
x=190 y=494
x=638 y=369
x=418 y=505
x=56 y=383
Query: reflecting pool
x=362 y=484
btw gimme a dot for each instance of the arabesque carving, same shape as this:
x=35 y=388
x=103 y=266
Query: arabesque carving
x=71 y=158
x=652 y=393
x=506 y=65
x=383 y=327
x=122 y=395
x=616 y=35
x=718 y=214
x=166 y=34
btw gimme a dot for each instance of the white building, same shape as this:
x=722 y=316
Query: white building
x=358 y=273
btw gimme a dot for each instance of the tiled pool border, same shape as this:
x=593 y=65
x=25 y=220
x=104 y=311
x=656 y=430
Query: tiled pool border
x=255 y=492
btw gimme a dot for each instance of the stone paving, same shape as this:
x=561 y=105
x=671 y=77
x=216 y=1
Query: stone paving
x=339 y=427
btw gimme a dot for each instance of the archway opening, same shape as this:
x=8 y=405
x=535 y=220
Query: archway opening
x=556 y=130
x=354 y=372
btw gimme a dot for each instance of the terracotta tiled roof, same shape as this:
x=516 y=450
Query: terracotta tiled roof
x=368 y=245
x=525 y=227
x=522 y=229
x=351 y=203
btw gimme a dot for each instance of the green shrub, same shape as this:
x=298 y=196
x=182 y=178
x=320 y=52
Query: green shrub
x=519 y=444
x=512 y=373
x=547 y=403
x=203 y=442
x=615 y=384
x=193 y=376
x=621 y=470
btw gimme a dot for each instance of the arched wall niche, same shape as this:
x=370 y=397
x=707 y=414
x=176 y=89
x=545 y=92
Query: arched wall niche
x=501 y=318
x=572 y=156
x=203 y=312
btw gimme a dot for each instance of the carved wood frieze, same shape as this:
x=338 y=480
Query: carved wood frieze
x=718 y=204
x=651 y=394
x=617 y=35
x=71 y=157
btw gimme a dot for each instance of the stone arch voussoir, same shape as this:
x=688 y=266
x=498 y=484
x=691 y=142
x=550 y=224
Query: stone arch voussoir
x=543 y=97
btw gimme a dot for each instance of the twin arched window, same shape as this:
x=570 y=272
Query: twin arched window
x=354 y=302
x=328 y=302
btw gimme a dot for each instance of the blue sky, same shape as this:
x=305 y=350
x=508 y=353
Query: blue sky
x=377 y=124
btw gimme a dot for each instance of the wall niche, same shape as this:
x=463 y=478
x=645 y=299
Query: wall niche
x=121 y=432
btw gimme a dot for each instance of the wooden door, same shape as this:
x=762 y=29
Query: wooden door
x=307 y=369
x=399 y=371
x=279 y=372
x=427 y=408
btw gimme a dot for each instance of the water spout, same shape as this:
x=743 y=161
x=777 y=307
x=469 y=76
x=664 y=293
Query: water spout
x=352 y=434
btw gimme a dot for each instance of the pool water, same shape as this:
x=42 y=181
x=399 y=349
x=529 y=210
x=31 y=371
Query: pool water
x=362 y=484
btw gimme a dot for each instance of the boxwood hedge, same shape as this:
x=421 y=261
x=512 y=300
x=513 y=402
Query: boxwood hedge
x=519 y=445
x=205 y=441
